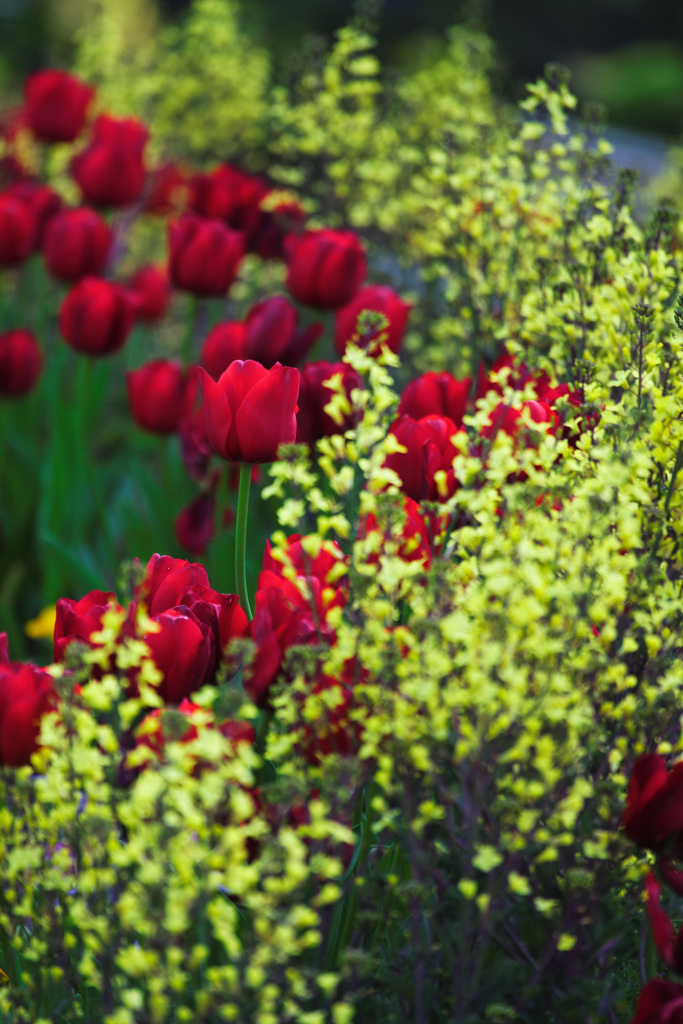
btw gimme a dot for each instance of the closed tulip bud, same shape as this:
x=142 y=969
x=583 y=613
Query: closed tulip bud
x=250 y=411
x=156 y=394
x=76 y=243
x=314 y=395
x=26 y=694
x=111 y=170
x=429 y=451
x=436 y=394
x=18 y=229
x=379 y=299
x=150 y=291
x=325 y=267
x=184 y=652
x=224 y=343
x=78 y=620
x=204 y=255
x=273 y=335
x=56 y=104
x=96 y=316
x=45 y=203
x=230 y=195
x=21 y=361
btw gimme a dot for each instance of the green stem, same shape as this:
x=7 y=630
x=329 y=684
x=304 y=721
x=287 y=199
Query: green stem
x=241 y=537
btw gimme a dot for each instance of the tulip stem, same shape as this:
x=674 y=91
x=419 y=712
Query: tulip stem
x=241 y=536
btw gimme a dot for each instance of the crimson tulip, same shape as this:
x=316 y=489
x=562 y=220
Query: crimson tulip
x=26 y=694
x=56 y=104
x=18 y=228
x=44 y=202
x=325 y=268
x=379 y=299
x=312 y=422
x=194 y=524
x=76 y=242
x=111 y=170
x=660 y=1002
x=21 y=361
x=96 y=316
x=429 y=451
x=150 y=291
x=204 y=255
x=78 y=620
x=183 y=649
x=653 y=816
x=250 y=411
x=224 y=344
x=157 y=395
x=272 y=333
x=228 y=194
x=436 y=394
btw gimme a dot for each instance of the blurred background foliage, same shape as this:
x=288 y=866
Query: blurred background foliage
x=624 y=53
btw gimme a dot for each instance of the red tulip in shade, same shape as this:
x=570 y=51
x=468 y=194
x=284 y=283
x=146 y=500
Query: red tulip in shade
x=430 y=451
x=436 y=394
x=26 y=694
x=157 y=395
x=273 y=335
x=205 y=256
x=20 y=362
x=314 y=394
x=167 y=190
x=660 y=1002
x=111 y=170
x=96 y=316
x=194 y=524
x=78 y=620
x=151 y=293
x=44 y=203
x=76 y=242
x=230 y=195
x=224 y=344
x=409 y=537
x=18 y=229
x=379 y=299
x=183 y=649
x=325 y=268
x=250 y=411
x=509 y=420
x=654 y=804
x=56 y=104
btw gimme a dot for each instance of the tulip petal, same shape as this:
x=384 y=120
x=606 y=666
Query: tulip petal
x=217 y=413
x=266 y=418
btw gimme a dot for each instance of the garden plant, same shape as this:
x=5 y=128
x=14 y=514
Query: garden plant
x=341 y=558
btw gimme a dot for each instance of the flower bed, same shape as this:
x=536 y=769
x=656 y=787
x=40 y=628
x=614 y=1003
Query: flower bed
x=404 y=374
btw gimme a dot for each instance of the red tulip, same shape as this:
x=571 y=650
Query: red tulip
x=157 y=395
x=184 y=652
x=78 y=620
x=76 y=242
x=660 y=1002
x=654 y=804
x=167 y=581
x=409 y=537
x=194 y=524
x=325 y=268
x=508 y=419
x=278 y=218
x=224 y=344
x=111 y=170
x=20 y=362
x=56 y=105
x=436 y=394
x=18 y=229
x=43 y=201
x=167 y=190
x=150 y=291
x=272 y=333
x=429 y=451
x=379 y=299
x=230 y=195
x=96 y=316
x=204 y=255
x=312 y=422
x=26 y=694
x=250 y=411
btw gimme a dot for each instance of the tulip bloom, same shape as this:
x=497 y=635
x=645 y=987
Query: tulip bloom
x=379 y=299
x=312 y=420
x=204 y=255
x=184 y=652
x=325 y=268
x=78 y=620
x=26 y=694
x=429 y=451
x=76 y=243
x=111 y=170
x=156 y=393
x=150 y=291
x=250 y=411
x=21 y=361
x=660 y=1002
x=228 y=194
x=436 y=394
x=44 y=203
x=224 y=344
x=56 y=104
x=96 y=316
x=654 y=804
x=18 y=228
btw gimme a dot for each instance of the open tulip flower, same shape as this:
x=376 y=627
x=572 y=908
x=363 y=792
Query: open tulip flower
x=250 y=411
